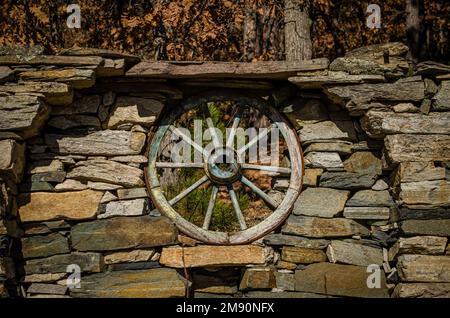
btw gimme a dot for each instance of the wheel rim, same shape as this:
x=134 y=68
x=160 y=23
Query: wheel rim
x=217 y=177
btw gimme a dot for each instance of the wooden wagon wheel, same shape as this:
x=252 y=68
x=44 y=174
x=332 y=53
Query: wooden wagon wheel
x=214 y=178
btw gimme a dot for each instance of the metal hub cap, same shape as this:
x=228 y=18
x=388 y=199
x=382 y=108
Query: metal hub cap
x=222 y=166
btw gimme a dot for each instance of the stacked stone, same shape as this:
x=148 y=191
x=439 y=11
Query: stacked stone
x=411 y=117
x=376 y=193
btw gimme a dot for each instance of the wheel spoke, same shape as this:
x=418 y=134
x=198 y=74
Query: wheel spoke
x=256 y=139
x=271 y=202
x=209 y=211
x=161 y=164
x=266 y=168
x=186 y=138
x=194 y=186
x=236 y=122
x=237 y=209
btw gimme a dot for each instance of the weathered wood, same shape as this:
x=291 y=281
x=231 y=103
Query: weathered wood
x=256 y=70
x=110 y=54
x=52 y=60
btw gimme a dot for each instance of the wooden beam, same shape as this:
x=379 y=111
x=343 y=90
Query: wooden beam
x=256 y=70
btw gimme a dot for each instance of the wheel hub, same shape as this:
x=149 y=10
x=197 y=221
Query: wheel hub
x=222 y=165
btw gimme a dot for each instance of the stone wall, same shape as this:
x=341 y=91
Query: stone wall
x=375 y=132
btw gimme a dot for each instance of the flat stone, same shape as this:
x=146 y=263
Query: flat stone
x=365 y=198
x=52 y=289
x=311 y=176
x=134 y=193
x=428 y=245
x=291 y=240
x=328 y=160
x=214 y=285
x=122 y=233
x=323 y=202
x=43 y=278
x=301 y=112
x=24 y=115
x=334 y=78
x=286 y=265
x=379 y=124
x=432 y=68
x=77 y=78
x=405 y=108
x=354 y=253
x=426 y=227
x=352 y=96
x=422 y=290
x=323 y=227
x=43 y=246
x=54 y=176
x=43 y=206
x=70 y=185
x=418 y=171
x=285 y=281
x=281 y=294
x=374 y=67
x=108 y=197
x=367 y=213
x=86 y=104
x=380 y=185
x=12 y=159
x=102 y=186
x=150 y=283
x=408 y=213
x=435 y=192
x=130 y=159
x=325 y=130
x=424 y=268
x=363 y=162
x=338 y=280
x=74 y=121
x=258 y=278
x=55 y=94
x=124 y=208
x=107 y=171
x=134 y=110
x=407 y=147
x=344 y=148
x=88 y=262
x=46 y=166
x=300 y=255
x=347 y=180
x=6 y=74
x=213 y=256
x=100 y=143
x=129 y=256
x=112 y=67
x=441 y=101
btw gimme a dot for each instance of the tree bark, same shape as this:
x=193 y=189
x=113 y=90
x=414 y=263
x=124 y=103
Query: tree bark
x=297 y=36
x=413 y=21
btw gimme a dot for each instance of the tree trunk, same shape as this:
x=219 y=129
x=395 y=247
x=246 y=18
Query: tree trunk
x=297 y=36
x=413 y=22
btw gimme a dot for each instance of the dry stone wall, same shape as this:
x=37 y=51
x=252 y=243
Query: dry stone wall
x=375 y=133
